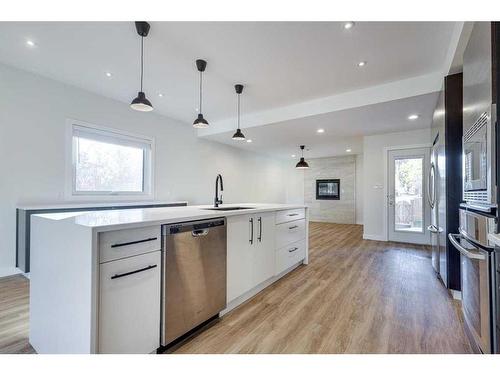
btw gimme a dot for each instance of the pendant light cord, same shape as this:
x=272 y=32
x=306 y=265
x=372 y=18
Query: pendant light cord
x=201 y=90
x=142 y=60
x=238 y=111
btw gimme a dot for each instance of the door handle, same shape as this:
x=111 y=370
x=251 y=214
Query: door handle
x=251 y=230
x=466 y=252
x=432 y=229
x=260 y=229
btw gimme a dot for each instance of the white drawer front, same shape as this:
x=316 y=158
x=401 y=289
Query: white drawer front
x=288 y=233
x=289 y=255
x=128 y=242
x=290 y=215
x=129 y=304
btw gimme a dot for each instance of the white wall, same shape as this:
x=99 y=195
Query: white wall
x=374 y=181
x=359 y=189
x=33 y=112
x=294 y=179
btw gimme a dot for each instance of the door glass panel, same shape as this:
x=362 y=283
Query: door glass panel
x=408 y=205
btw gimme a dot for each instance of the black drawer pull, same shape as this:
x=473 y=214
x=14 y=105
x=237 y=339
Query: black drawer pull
x=292 y=215
x=293 y=249
x=118 y=275
x=295 y=226
x=134 y=242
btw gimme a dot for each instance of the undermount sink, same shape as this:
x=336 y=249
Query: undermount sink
x=228 y=208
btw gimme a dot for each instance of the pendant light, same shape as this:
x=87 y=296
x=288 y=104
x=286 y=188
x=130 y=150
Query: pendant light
x=200 y=122
x=302 y=164
x=238 y=136
x=140 y=103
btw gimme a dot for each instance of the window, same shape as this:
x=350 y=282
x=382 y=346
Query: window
x=109 y=162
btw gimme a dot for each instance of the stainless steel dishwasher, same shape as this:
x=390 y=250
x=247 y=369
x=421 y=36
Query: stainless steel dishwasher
x=193 y=275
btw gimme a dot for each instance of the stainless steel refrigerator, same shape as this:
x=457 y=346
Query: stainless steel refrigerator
x=445 y=180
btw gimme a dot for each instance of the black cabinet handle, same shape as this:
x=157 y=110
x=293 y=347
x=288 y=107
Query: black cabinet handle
x=293 y=249
x=260 y=229
x=118 y=275
x=292 y=214
x=134 y=242
x=251 y=231
x=293 y=227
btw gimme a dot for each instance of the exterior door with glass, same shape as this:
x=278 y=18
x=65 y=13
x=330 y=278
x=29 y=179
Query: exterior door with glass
x=408 y=210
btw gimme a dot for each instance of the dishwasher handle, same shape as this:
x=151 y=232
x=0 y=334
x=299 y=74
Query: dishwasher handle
x=471 y=254
x=199 y=232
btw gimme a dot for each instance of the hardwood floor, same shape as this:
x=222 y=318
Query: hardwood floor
x=355 y=296
x=14 y=315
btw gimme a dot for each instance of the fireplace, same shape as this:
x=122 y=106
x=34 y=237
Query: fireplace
x=328 y=189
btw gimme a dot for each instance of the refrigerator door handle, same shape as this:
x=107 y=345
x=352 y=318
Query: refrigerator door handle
x=432 y=175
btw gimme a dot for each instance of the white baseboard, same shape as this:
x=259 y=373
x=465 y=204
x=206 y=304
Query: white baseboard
x=373 y=237
x=9 y=271
x=456 y=294
x=252 y=292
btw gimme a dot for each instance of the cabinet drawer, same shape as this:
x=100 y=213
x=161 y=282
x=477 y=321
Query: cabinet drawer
x=290 y=215
x=288 y=233
x=129 y=304
x=128 y=242
x=289 y=255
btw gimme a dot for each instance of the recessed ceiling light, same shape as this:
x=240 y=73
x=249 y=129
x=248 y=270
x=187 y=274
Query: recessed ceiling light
x=413 y=117
x=108 y=74
x=348 y=25
x=160 y=95
x=249 y=141
x=320 y=130
x=362 y=63
x=293 y=155
x=30 y=43
x=348 y=150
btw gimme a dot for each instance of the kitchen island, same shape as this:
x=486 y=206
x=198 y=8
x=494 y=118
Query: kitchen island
x=79 y=305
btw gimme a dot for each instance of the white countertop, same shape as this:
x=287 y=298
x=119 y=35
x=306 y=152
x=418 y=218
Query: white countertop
x=495 y=238
x=90 y=205
x=120 y=219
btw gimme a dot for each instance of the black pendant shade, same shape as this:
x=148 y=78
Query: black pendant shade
x=200 y=122
x=302 y=164
x=140 y=103
x=238 y=136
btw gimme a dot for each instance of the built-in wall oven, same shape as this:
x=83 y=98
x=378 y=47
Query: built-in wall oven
x=477 y=275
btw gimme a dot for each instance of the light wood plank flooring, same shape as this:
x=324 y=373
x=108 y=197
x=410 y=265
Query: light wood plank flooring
x=355 y=296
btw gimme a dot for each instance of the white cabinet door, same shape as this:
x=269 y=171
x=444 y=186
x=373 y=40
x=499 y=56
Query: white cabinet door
x=263 y=249
x=240 y=238
x=129 y=305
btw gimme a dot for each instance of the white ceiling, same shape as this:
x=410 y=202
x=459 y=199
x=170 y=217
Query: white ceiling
x=343 y=129
x=280 y=64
